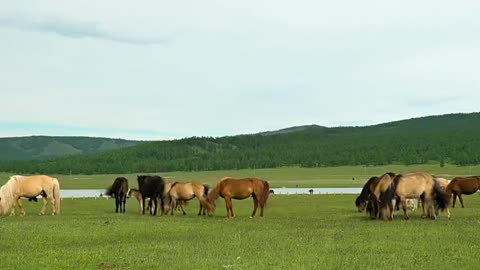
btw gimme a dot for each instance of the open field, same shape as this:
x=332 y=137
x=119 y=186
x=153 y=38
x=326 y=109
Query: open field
x=298 y=232
x=280 y=177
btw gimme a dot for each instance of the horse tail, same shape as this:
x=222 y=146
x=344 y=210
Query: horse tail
x=265 y=193
x=56 y=195
x=442 y=197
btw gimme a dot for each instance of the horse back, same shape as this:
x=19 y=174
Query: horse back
x=413 y=184
x=34 y=185
x=465 y=185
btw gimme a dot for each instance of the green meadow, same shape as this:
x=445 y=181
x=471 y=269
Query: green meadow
x=297 y=232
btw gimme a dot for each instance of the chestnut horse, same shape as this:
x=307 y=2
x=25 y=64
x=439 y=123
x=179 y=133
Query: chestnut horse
x=183 y=192
x=238 y=189
x=29 y=187
x=119 y=189
x=415 y=186
x=463 y=185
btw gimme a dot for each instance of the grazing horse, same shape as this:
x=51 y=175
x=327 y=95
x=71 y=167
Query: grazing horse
x=364 y=198
x=185 y=192
x=29 y=187
x=463 y=185
x=119 y=189
x=378 y=197
x=238 y=189
x=415 y=186
x=151 y=186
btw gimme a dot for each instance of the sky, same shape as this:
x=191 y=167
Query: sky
x=156 y=70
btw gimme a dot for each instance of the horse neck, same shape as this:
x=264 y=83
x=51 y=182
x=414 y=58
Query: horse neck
x=214 y=193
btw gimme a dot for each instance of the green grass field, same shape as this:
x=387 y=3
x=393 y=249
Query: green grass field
x=281 y=177
x=297 y=232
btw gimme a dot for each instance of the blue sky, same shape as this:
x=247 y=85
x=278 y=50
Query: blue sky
x=162 y=70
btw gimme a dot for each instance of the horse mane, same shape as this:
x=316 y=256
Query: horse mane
x=6 y=194
x=215 y=192
x=366 y=190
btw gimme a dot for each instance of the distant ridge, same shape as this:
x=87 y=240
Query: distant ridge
x=452 y=138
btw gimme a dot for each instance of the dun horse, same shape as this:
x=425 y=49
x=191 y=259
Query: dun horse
x=151 y=187
x=417 y=185
x=239 y=189
x=119 y=189
x=185 y=192
x=29 y=187
x=463 y=185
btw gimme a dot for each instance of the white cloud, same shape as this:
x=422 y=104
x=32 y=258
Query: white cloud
x=217 y=68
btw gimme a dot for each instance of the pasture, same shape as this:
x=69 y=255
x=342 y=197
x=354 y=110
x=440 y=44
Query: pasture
x=297 y=232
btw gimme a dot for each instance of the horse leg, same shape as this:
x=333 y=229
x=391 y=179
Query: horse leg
x=142 y=205
x=390 y=204
x=255 y=206
x=461 y=200
x=20 y=205
x=228 y=205
x=454 y=200
x=42 y=211
x=117 y=202
x=404 y=208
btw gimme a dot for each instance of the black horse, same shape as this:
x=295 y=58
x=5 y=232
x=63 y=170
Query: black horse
x=119 y=189
x=151 y=186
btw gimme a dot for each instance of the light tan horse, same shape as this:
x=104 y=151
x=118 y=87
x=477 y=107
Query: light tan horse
x=183 y=192
x=415 y=186
x=238 y=189
x=29 y=187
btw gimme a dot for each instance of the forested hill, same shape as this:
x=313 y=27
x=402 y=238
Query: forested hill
x=453 y=138
x=47 y=147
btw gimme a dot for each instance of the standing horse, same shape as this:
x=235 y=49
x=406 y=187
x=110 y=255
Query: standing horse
x=29 y=187
x=463 y=185
x=119 y=189
x=415 y=186
x=239 y=189
x=151 y=186
x=185 y=192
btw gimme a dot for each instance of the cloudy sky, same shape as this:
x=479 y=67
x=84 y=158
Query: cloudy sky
x=172 y=69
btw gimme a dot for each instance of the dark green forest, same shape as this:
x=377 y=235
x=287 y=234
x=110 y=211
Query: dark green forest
x=453 y=138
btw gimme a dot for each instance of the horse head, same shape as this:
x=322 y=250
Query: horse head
x=360 y=204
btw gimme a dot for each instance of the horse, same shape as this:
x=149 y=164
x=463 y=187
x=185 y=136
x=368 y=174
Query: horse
x=119 y=189
x=363 y=199
x=417 y=185
x=29 y=187
x=185 y=192
x=377 y=197
x=238 y=189
x=151 y=186
x=463 y=185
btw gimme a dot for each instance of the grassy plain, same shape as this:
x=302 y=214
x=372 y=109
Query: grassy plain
x=297 y=232
x=279 y=177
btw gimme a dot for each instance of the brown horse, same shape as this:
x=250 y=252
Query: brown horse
x=239 y=189
x=415 y=186
x=183 y=192
x=29 y=187
x=463 y=185
x=365 y=197
x=119 y=189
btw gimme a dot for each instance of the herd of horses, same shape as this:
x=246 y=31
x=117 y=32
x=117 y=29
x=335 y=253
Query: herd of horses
x=152 y=189
x=382 y=195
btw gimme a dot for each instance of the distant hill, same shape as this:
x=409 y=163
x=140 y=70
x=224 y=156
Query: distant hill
x=452 y=138
x=47 y=147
